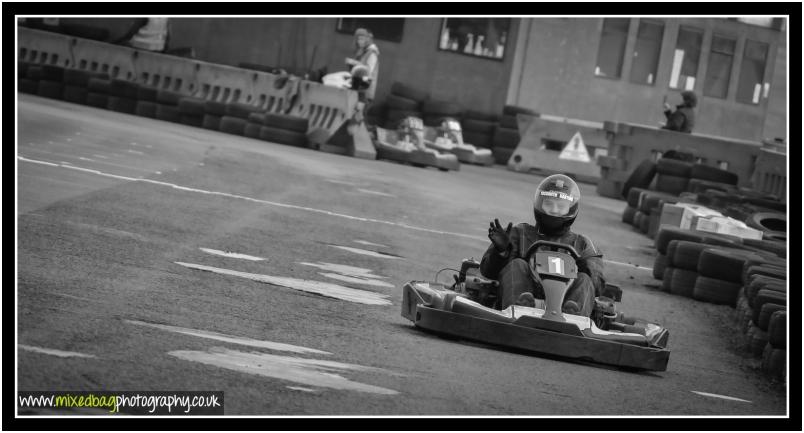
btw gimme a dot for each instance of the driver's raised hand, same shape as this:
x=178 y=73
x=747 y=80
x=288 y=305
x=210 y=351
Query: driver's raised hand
x=499 y=236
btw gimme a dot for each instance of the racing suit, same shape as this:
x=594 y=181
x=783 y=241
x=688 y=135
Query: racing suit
x=513 y=273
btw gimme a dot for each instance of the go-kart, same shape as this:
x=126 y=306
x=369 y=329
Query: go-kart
x=408 y=146
x=470 y=309
x=449 y=138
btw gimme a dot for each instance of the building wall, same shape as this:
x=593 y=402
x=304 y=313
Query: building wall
x=554 y=74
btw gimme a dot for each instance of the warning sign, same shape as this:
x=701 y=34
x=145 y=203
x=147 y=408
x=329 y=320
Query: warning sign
x=575 y=150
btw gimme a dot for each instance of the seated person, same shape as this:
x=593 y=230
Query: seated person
x=555 y=207
x=411 y=135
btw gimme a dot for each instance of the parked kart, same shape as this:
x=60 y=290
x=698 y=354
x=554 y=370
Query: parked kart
x=407 y=145
x=469 y=309
x=448 y=138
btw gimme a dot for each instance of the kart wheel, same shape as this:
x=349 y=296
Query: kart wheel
x=671 y=184
x=628 y=214
x=146 y=109
x=673 y=167
x=659 y=265
x=777 y=329
x=683 y=282
x=287 y=122
x=408 y=92
x=641 y=177
x=715 y=291
x=212 y=122
x=765 y=314
x=773 y=362
x=192 y=106
x=714 y=174
x=687 y=254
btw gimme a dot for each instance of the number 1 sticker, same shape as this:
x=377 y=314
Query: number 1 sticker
x=556 y=265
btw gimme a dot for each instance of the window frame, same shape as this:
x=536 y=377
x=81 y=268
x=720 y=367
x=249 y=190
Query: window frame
x=691 y=29
x=506 y=31
x=658 y=54
x=735 y=40
x=339 y=28
x=619 y=75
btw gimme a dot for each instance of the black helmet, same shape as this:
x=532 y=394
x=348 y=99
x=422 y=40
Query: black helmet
x=555 y=204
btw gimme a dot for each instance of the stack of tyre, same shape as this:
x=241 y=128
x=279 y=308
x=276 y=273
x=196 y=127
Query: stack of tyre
x=56 y=82
x=506 y=135
x=478 y=128
x=762 y=315
x=403 y=101
x=278 y=128
x=434 y=111
x=644 y=209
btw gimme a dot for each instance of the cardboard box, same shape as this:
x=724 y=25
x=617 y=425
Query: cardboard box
x=671 y=215
x=693 y=212
x=726 y=226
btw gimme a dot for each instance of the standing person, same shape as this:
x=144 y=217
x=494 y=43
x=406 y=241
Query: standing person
x=367 y=56
x=147 y=34
x=683 y=119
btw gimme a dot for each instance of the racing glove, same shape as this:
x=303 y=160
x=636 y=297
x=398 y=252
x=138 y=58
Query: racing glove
x=500 y=237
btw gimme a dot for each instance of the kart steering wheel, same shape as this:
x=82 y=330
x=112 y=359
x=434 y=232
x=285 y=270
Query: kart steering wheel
x=559 y=245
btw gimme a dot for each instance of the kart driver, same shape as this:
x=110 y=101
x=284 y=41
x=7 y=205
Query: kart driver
x=555 y=206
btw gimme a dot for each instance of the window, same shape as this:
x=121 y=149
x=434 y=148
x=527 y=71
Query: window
x=769 y=22
x=388 y=29
x=718 y=72
x=685 y=58
x=646 y=52
x=752 y=72
x=612 y=47
x=481 y=37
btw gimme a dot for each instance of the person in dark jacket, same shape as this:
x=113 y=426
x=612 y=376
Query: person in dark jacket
x=555 y=207
x=683 y=119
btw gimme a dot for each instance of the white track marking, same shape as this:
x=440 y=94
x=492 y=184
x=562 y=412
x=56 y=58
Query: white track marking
x=629 y=265
x=254 y=200
x=364 y=252
x=100 y=156
x=370 y=243
x=135 y=152
x=310 y=286
x=231 y=338
x=368 y=191
x=352 y=271
x=232 y=255
x=300 y=388
x=355 y=280
x=310 y=372
x=54 y=352
x=725 y=397
x=86 y=159
x=341 y=182
x=111 y=164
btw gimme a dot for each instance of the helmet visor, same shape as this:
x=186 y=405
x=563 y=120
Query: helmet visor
x=556 y=206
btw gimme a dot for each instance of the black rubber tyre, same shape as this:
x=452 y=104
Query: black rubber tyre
x=714 y=174
x=192 y=106
x=408 y=92
x=638 y=217
x=395 y=116
x=52 y=73
x=50 y=89
x=287 y=122
x=123 y=89
x=166 y=97
x=168 y=113
x=216 y=108
x=27 y=85
x=775 y=205
x=505 y=138
x=477 y=115
x=628 y=215
x=502 y=155
x=75 y=94
x=258 y=118
x=34 y=72
x=765 y=313
x=766 y=270
x=442 y=108
x=191 y=119
x=146 y=109
x=477 y=139
x=212 y=122
x=77 y=77
x=777 y=329
x=241 y=110
x=145 y=93
x=700 y=185
x=758 y=341
x=775 y=247
x=633 y=196
x=767 y=296
x=641 y=177
x=715 y=291
x=122 y=105
x=99 y=100
x=481 y=126
x=671 y=184
x=644 y=223
x=673 y=167
x=508 y=121
x=774 y=362
x=434 y=120
x=659 y=265
x=683 y=282
x=667 y=278
x=725 y=264
x=768 y=221
x=759 y=283
x=22 y=68
x=668 y=233
x=687 y=254
x=283 y=136
x=401 y=103
x=513 y=110
x=233 y=125
x=252 y=130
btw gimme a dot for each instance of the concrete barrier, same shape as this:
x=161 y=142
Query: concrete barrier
x=770 y=176
x=328 y=109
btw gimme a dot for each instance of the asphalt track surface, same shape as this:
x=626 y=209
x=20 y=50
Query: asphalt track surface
x=157 y=256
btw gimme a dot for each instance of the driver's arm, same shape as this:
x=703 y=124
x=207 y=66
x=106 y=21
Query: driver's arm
x=591 y=263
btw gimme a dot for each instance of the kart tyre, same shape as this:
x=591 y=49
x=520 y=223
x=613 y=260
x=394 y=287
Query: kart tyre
x=75 y=94
x=477 y=115
x=191 y=120
x=641 y=177
x=774 y=362
x=777 y=329
x=673 y=167
x=765 y=313
x=722 y=263
x=408 y=92
x=166 y=97
x=123 y=89
x=505 y=138
x=508 y=121
x=766 y=270
x=145 y=93
x=192 y=106
x=644 y=223
x=628 y=214
x=477 y=139
x=215 y=108
x=767 y=296
x=671 y=251
x=26 y=85
x=768 y=221
x=659 y=265
x=683 y=282
x=757 y=342
x=240 y=110
x=283 y=136
x=668 y=233
x=442 y=108
x=775 y=247
x=122 y=105
x=233 y=125
x=212 y=122
x=667 y=278
x=671 y=184
x=714 y=174
x=482 y=126
x=50 y=89
x=168 y=113
x=715 y=291
x=513 y=110
x=252 y=130
x=287 y=122
x=637 y=221
x=687 y=254
x=763 y=283
x=146 y=109
x=401 y=103
x=633 y=197
x=99 y=100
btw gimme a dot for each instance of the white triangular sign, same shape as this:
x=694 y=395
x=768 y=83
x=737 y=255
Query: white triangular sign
x=575 y=150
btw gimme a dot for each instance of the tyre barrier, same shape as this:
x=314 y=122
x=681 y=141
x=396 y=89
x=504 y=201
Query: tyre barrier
x=502 y=154
x=505 y=138
x=169 y=113
x=191 y=119
x=477 y=115
x=479 y=126
x=192 y=106
x=50 y=89
x=215 y=108
x=715 y=291
x=122 y=105
x=252 y=130
x=508 y=121
x=123 y=88
x=758 y=341
x=99 y=100
x=777 y=329
x=286 y=122
x=641 y=177
x=683 y=282
x=77 y=77
x=767 y=310
x=478 y=139
x=713 y=174
x=513 y=110
x=233 y=125
x=768 y=221
x=686 y=254
x=99 y=85
x=75 y=94
x=673 y=167
x=671 y=184
x=26 y=85
x=634 y=195
x=145 y=93
x=628 y=214
x=638 y=217
x=283 y=136
x=408 y=92
x=750 y=268
x=401 y=103
x=720 y=263
x=441 y=108
x=212 y=122
x=659 y=266
x=774 y=362
x=146 y=109
x=166 y=97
